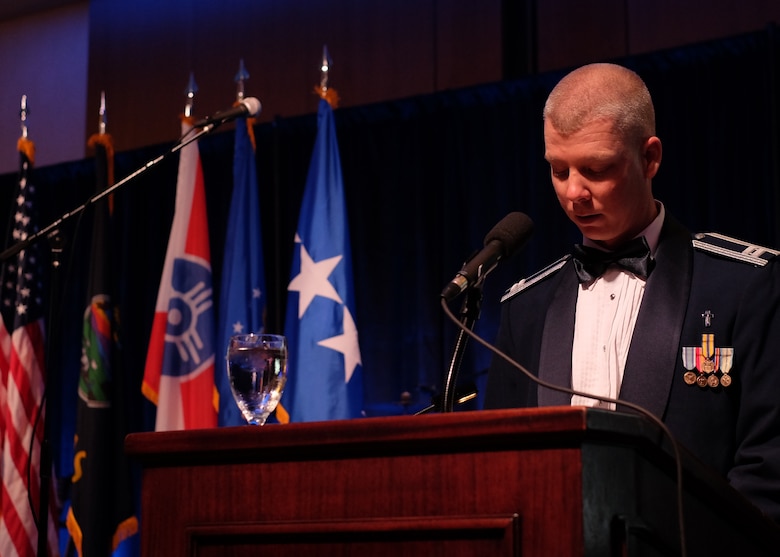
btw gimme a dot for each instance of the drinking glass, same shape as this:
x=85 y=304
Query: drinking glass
x=257 y=369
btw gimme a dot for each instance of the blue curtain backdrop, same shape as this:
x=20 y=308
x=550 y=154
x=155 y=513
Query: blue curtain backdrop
x=425 y=179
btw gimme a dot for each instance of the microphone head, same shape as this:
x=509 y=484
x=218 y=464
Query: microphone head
x=512 y=232
x=252 y=106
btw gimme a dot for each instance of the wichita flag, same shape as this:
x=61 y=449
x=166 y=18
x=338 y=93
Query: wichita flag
x=102 y=514
x=22 y=377
x=325 y=369
x=243 y=295
x=179 y=373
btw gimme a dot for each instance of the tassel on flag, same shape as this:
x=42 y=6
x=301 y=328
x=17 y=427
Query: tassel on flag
x=179 y=372
x=325 y=367
x=22 y=376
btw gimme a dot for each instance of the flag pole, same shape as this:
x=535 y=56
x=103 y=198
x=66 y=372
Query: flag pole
x=241 y=76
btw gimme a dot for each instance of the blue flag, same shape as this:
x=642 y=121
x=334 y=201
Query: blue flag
x=243 y=295
x=325 y=369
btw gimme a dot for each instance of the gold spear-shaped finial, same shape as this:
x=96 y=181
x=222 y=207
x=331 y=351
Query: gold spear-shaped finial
x=190 y=91
x=323 y=89
x=240 y=80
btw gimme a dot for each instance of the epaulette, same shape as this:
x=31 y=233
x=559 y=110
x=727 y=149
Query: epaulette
x=732 y=248
x=522 y=284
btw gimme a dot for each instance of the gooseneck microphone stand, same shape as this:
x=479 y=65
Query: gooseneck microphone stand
x=52 y=231
x=469 y=314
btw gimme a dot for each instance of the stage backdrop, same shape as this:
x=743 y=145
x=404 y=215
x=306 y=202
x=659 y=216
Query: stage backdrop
x=425 y=178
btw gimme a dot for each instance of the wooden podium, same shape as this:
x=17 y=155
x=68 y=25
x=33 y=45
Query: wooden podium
x=538 y=482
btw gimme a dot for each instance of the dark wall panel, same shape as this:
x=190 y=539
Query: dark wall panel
x=141 y=54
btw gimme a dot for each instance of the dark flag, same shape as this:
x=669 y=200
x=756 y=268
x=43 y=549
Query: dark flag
x=102 y=514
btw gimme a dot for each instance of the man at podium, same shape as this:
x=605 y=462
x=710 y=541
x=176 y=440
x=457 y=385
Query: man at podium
x=643 y=311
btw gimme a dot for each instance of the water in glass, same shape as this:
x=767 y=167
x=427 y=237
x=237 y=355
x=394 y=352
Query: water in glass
x=257 y=369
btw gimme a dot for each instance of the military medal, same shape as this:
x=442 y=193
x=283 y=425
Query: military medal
x=689 y=358
x=707 y=359
x=707 y=362
x=726 y=360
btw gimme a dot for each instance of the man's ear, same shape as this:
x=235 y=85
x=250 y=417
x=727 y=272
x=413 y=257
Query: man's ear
x=652 y=152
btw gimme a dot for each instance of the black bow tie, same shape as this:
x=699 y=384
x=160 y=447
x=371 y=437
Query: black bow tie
x=590 y=263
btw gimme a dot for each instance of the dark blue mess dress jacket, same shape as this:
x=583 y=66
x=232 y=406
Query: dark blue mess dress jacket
x=701 y=285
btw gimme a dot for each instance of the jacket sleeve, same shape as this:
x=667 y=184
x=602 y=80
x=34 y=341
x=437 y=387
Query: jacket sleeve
x=756 y=468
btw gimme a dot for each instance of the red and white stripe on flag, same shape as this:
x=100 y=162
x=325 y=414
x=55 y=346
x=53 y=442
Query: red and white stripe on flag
x=22 y=374
x=179 y=372
x=21 y=393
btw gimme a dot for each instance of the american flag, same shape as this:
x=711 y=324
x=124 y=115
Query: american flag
x=22 y=377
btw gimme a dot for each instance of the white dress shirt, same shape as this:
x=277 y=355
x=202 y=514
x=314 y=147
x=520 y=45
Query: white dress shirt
x=606 y=313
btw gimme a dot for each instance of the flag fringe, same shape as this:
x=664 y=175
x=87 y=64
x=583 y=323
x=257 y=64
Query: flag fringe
x=26 y=147
x=329 y=94
x=126 y=529
x=282 y=416
x=250 y=128
x=74 y=529
x=149 y=392
x=107 y=142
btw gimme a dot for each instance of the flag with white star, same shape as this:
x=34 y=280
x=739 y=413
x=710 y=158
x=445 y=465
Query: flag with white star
x=242 y=299
x=22 y=378
x=179 y=372
x=325 y=368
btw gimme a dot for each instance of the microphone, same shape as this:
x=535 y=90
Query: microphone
x=508 y=236
x=249 y=106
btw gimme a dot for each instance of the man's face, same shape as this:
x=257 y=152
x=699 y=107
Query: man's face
x=603 y=184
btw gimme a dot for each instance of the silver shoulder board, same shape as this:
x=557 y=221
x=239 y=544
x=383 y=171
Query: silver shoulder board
x=522 y=284
x=732 y=248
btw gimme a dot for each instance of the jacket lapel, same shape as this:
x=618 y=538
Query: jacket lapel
x=557 y=340
x=655 y=345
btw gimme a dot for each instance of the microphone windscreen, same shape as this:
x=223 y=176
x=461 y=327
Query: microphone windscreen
x=513 y=231
x=252 y=106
